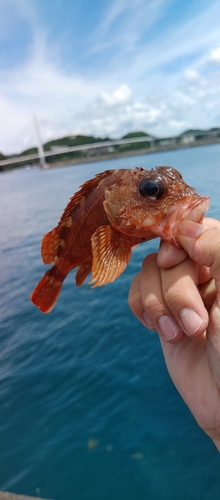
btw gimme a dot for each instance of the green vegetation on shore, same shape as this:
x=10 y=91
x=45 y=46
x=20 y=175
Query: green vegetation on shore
x=189 y=137
x=71 y=141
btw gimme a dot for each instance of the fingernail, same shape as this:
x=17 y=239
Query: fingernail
x=191 y=321
x=190 y=228
x=169 y=328
x=147 y=321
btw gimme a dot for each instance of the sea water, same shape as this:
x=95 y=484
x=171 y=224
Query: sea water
x=87 y=408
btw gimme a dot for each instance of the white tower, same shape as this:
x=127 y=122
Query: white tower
x=40 y=145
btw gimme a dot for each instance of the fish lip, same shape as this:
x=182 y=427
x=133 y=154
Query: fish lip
x=193 y=208
x=189 y=211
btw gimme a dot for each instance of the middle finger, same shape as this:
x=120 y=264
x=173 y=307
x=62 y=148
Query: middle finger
x=182 y=297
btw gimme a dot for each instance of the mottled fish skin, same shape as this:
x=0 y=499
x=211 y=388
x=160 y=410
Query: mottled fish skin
x=110 y=214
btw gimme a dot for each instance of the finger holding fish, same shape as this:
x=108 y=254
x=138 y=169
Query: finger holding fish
x=180 y=291
x=169 y=301
x=147 y=303
x=186 y=289
x=189 y=297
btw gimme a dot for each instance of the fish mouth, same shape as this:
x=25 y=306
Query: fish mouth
x=191 y=208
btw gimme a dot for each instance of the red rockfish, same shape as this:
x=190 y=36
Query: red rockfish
x=109 y=215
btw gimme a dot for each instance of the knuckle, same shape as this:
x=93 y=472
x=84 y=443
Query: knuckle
x=172 y=296
x=151 y=303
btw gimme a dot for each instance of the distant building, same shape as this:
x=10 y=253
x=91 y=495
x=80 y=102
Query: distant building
x=100 y=151
x=54 y=149
x=164 y=142
x=187 y=139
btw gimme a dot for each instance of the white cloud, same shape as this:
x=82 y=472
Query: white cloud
x=191 y=105
x=122 y=95
x=214 y=57
x=128 y=19
x=191 y=74
x=64 y=109
x=163 y=83
x=42 y=88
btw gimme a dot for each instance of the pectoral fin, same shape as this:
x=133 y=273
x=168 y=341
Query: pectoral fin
x=111 y=253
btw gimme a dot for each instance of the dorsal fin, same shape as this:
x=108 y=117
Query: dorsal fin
x=55 y=239
x=85 y=189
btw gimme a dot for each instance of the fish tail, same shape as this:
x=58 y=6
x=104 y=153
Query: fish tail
x=47 y=290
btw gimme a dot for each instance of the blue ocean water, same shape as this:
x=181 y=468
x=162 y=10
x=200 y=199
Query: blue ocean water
x=88 y=410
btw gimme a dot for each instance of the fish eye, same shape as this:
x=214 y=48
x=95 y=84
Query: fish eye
x=152 y=188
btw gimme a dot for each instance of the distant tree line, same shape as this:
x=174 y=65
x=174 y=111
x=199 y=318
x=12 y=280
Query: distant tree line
x=79 y=140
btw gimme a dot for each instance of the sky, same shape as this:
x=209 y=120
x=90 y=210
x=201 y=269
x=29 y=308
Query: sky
x=107 y=68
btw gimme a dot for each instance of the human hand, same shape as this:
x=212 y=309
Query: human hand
x=177 y=293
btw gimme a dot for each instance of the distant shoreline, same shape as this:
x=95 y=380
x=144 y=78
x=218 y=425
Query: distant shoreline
x=173 y=146
x=124 y=154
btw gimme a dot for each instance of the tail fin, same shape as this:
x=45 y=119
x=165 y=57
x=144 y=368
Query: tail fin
x=46 y=292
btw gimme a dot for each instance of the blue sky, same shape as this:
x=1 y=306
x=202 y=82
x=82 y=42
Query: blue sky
x=107 y=68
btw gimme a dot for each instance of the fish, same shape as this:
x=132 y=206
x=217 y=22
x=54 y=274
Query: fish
x=110 y=215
